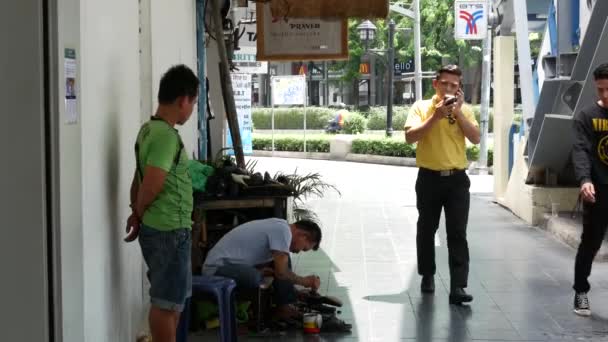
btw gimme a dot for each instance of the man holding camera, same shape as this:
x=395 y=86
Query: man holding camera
x=439 y=126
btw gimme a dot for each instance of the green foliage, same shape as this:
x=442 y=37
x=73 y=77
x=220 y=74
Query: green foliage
x=305 y=186
x=473 y=154
x=437 y=34
x=292 y=118
x=377 y=118
x=291 y=144
x=379 y=147
x=477 y=112
x=383 y=147
x=355 y=123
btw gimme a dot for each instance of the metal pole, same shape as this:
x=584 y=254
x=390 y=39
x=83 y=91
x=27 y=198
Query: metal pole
x=272 y=111
x=372 y=80
x=272 y=122
x=417 y=51
x=202 y=98
x=305 y=107
x=326 y=79
x=391 y=72
x=485 y=98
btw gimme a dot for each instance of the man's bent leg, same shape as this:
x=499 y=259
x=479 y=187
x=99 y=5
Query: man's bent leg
x=456 y=219
x=245 y=276
x=429 y=203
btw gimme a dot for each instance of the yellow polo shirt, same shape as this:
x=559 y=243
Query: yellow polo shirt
x=443 y=147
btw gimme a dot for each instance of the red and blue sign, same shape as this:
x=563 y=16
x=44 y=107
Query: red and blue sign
x=471 y=19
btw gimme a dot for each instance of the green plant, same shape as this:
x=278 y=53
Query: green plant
x=291 y=144
x=304 y=186
x=477 y=112
x=383 y=147
x=292 y=118
x=377 y=118
x=473 y=154
x=355 y=123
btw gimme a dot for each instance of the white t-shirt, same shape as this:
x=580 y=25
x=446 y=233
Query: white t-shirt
x=250 y=244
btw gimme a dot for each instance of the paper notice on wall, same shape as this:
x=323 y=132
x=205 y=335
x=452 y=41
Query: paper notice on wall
x=241 y=83
x=71 y=102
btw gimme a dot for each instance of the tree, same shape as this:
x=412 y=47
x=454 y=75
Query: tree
x=438 y=44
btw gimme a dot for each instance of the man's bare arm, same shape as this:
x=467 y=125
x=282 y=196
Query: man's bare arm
x=149 y=188
x=468 y=128
x=416 y=133
x=134 y=190
x=282 y=271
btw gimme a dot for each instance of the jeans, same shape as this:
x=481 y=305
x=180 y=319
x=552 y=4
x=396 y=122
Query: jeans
x=248 y=277
x=167 y=255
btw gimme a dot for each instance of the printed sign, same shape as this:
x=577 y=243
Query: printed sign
x=471 y=19
x=288 y=90
x=70 y=71
x=241 y=83
x=404 y=67
x=286 y=38
x=245 y=59
x=246 y=62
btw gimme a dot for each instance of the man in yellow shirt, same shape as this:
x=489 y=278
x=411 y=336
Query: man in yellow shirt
x=439 y=126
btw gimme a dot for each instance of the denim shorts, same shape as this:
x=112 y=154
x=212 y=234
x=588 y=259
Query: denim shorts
x=167 y=255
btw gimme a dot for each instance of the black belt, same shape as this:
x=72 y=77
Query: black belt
x=443 y=173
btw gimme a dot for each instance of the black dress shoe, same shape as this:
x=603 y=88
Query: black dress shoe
x=428 y=284
x=459 y=296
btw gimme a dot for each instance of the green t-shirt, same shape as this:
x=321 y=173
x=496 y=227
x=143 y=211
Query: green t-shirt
x=158 y=145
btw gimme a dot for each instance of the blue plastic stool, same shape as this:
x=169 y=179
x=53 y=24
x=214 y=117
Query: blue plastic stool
x=223 y=290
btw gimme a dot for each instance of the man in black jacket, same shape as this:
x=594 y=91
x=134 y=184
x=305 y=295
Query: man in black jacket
x=590 y=158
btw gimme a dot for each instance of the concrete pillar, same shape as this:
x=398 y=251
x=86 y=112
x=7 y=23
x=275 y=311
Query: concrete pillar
x=504 y=60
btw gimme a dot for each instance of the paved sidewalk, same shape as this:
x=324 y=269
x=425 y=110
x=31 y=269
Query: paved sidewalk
x=520 y=276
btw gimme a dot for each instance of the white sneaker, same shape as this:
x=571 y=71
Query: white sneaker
x=581 y=304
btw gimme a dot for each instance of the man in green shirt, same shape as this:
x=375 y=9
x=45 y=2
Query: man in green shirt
x=161 y=199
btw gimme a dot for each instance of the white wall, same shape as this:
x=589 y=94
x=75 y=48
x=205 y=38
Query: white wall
x=110 y=89
x=99 y=294
x=113 y=95
x=174 y=42
x=69 y=182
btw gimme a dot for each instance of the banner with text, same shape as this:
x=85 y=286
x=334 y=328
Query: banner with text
x=241 y=83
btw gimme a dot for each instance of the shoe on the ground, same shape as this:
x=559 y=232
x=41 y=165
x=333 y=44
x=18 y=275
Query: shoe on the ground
x=581 y=304
x=287 y=313
x=458 y=296
x=427 y=285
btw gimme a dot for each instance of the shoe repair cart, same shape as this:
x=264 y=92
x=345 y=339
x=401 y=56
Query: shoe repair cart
x=213 y=218
x=225 y=204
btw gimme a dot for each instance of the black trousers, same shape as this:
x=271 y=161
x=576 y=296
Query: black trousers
x=595 y=223
x=451 y=193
